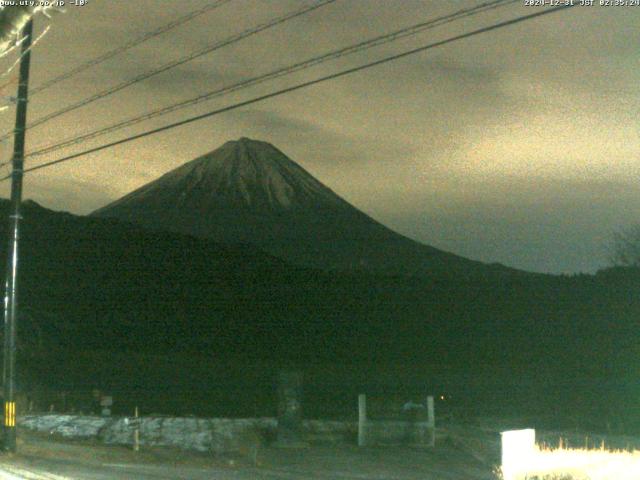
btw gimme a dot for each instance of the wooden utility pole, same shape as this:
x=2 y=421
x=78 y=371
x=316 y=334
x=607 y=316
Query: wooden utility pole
x=11 y=294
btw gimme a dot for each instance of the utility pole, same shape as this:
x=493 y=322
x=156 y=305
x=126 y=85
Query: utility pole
x=11 y=294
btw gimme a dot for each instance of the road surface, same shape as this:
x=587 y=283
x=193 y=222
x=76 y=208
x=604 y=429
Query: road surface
x=42 y=458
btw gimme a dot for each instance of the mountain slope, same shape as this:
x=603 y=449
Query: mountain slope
x=95 y=291
x=94 y=283
x=248 y=191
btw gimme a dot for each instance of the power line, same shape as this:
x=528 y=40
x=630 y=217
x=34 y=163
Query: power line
x=376 y=41
x=302 y=85
x=133 y=43
x=168 y=66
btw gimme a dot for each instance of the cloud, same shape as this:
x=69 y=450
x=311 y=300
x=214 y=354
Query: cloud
x=530 y=223
x=492 y=147
x=325 y=144
x=69 y=195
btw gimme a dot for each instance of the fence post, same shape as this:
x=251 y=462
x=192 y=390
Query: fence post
x=362 y=420
x=431 y=421
x=290 y=434
x=136 y=432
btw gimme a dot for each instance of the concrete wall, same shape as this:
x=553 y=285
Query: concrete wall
x=218 y=435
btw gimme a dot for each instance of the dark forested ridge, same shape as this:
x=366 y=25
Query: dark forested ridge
x=93 y=286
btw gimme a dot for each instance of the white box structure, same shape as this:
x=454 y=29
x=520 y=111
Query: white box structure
x=518 y=452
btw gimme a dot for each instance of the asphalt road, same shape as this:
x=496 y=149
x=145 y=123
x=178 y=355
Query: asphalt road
x=378 y=469
x=75 y=471
x=44 y=458
x=147 y=472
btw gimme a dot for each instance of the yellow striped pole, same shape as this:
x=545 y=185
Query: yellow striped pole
x=9 y=414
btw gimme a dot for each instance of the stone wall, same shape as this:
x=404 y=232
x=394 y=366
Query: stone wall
x=218 y=435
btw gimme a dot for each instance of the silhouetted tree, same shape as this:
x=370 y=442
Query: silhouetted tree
x=625 y=247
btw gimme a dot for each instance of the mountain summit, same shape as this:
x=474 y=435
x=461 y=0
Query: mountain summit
x=245 y=174
x=248 y=191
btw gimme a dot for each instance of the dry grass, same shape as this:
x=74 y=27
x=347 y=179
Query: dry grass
x=578 y=464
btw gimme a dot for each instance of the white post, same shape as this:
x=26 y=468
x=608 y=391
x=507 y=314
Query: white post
x=431 y=421
x=362 y=420
x=136 y=432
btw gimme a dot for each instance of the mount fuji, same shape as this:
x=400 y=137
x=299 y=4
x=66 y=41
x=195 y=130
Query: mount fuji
x=249 y=192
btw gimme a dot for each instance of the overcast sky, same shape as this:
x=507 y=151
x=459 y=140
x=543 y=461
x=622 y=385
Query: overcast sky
x=518 y=146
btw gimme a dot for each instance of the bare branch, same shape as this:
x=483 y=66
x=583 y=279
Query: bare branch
x=625 y=247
